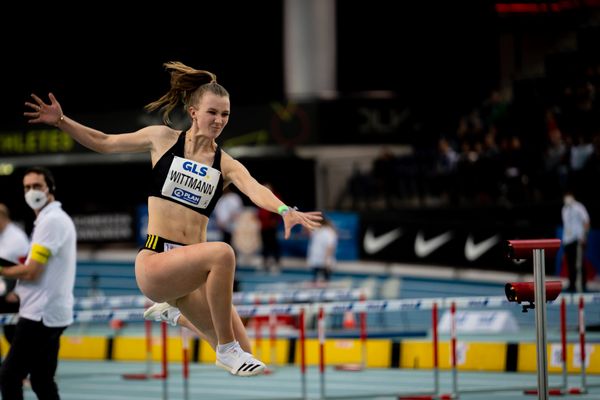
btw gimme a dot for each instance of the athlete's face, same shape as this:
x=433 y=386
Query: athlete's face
x=212 y=113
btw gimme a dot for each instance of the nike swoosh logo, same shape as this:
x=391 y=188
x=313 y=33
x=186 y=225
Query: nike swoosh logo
x=474 y=251
x=374 y=244
x=423 y=247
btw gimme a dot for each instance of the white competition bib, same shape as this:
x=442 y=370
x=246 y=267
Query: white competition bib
x=190 y=182
x=171 y=246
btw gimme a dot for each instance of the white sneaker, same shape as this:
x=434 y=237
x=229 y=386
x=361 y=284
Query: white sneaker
x=240 y=363
x=163 y=312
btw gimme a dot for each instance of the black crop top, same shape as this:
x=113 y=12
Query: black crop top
x=189 y=183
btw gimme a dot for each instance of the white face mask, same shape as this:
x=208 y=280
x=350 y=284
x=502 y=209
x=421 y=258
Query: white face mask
x=36 y=199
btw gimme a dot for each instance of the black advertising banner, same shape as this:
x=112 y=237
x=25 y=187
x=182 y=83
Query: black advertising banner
x=116 y=227
x=377 y=121
x=286 y=124
x=460 y=238
x=31 y=140
x=34 y=142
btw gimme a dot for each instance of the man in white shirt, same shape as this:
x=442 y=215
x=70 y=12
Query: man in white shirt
x=45 y=288
x=227 y=210
x=14 y=246
x=576 y=225
x=322 y=247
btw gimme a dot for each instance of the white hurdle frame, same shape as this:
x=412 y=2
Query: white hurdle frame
x=301 y=309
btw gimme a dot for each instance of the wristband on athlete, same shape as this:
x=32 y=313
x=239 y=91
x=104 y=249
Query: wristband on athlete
x=283 y=209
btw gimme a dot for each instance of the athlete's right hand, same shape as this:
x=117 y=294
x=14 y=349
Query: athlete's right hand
x=43 y=113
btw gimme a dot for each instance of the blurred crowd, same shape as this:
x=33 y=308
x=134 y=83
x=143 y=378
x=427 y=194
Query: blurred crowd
x=504 y=151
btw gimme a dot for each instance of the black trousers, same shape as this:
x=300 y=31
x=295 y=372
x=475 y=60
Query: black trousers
x=270 y=246
x=571 y=258
x=8 y=308
x=321 y=270
x=34 y=352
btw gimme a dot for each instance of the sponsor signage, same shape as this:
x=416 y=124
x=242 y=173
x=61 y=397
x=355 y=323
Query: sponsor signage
x=30 y=140
x=372 y=121
x=35 y=142
x=105 y=227
x=479 y=322
x=285 y=124
x=461 y=238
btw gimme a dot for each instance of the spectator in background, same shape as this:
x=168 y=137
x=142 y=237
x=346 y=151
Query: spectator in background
x=359 y=189
x=271 y=251
x=514 y=161
x=45 y=289
x=227 y=211
x=470 y=128
x=580 y=151
x=467 y=171
x=94 y=289
x=591 y=173
x=384 y=176
x=14 y=246
x=443 y=179
x=322 y=246
x=494 y=110
x=489 y=165
x=576 y=225
x=556 y=164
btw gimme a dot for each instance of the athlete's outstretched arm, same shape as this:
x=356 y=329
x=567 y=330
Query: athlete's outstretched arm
x=263 y=197
x=52 y=114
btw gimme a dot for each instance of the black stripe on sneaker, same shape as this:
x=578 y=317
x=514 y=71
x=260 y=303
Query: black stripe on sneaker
x=254 y=367
x=240 y=368
x=248 y=366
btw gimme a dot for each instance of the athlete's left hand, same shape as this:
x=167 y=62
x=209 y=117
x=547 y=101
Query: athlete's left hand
x=309 y=220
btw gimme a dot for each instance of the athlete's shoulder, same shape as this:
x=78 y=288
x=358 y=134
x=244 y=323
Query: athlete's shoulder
x=161 y=136
x=160 y=130
x=224 y=154
x=228 y=161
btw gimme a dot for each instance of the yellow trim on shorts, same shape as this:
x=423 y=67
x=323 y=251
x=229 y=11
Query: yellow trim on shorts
x=151 y=242
x=40 y=253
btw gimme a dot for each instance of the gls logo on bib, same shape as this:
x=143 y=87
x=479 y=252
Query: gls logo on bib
x=190 y=182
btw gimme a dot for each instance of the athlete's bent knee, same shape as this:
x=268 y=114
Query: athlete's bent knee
x=225 y=254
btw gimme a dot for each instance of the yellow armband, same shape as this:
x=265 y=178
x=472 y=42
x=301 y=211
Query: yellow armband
x=39 y=253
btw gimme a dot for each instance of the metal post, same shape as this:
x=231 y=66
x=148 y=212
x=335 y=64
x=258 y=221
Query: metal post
x=165 y=360
x=148 y=329
x=321 y=334
x=563 y=344
x=540 y=322
x=581 y=318
x=302 y=326
x=436 y=371
x=453 y=354
x=185 y=368
x=363 y=336
x=579 y=268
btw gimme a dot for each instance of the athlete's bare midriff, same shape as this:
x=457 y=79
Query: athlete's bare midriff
x=175 y=222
